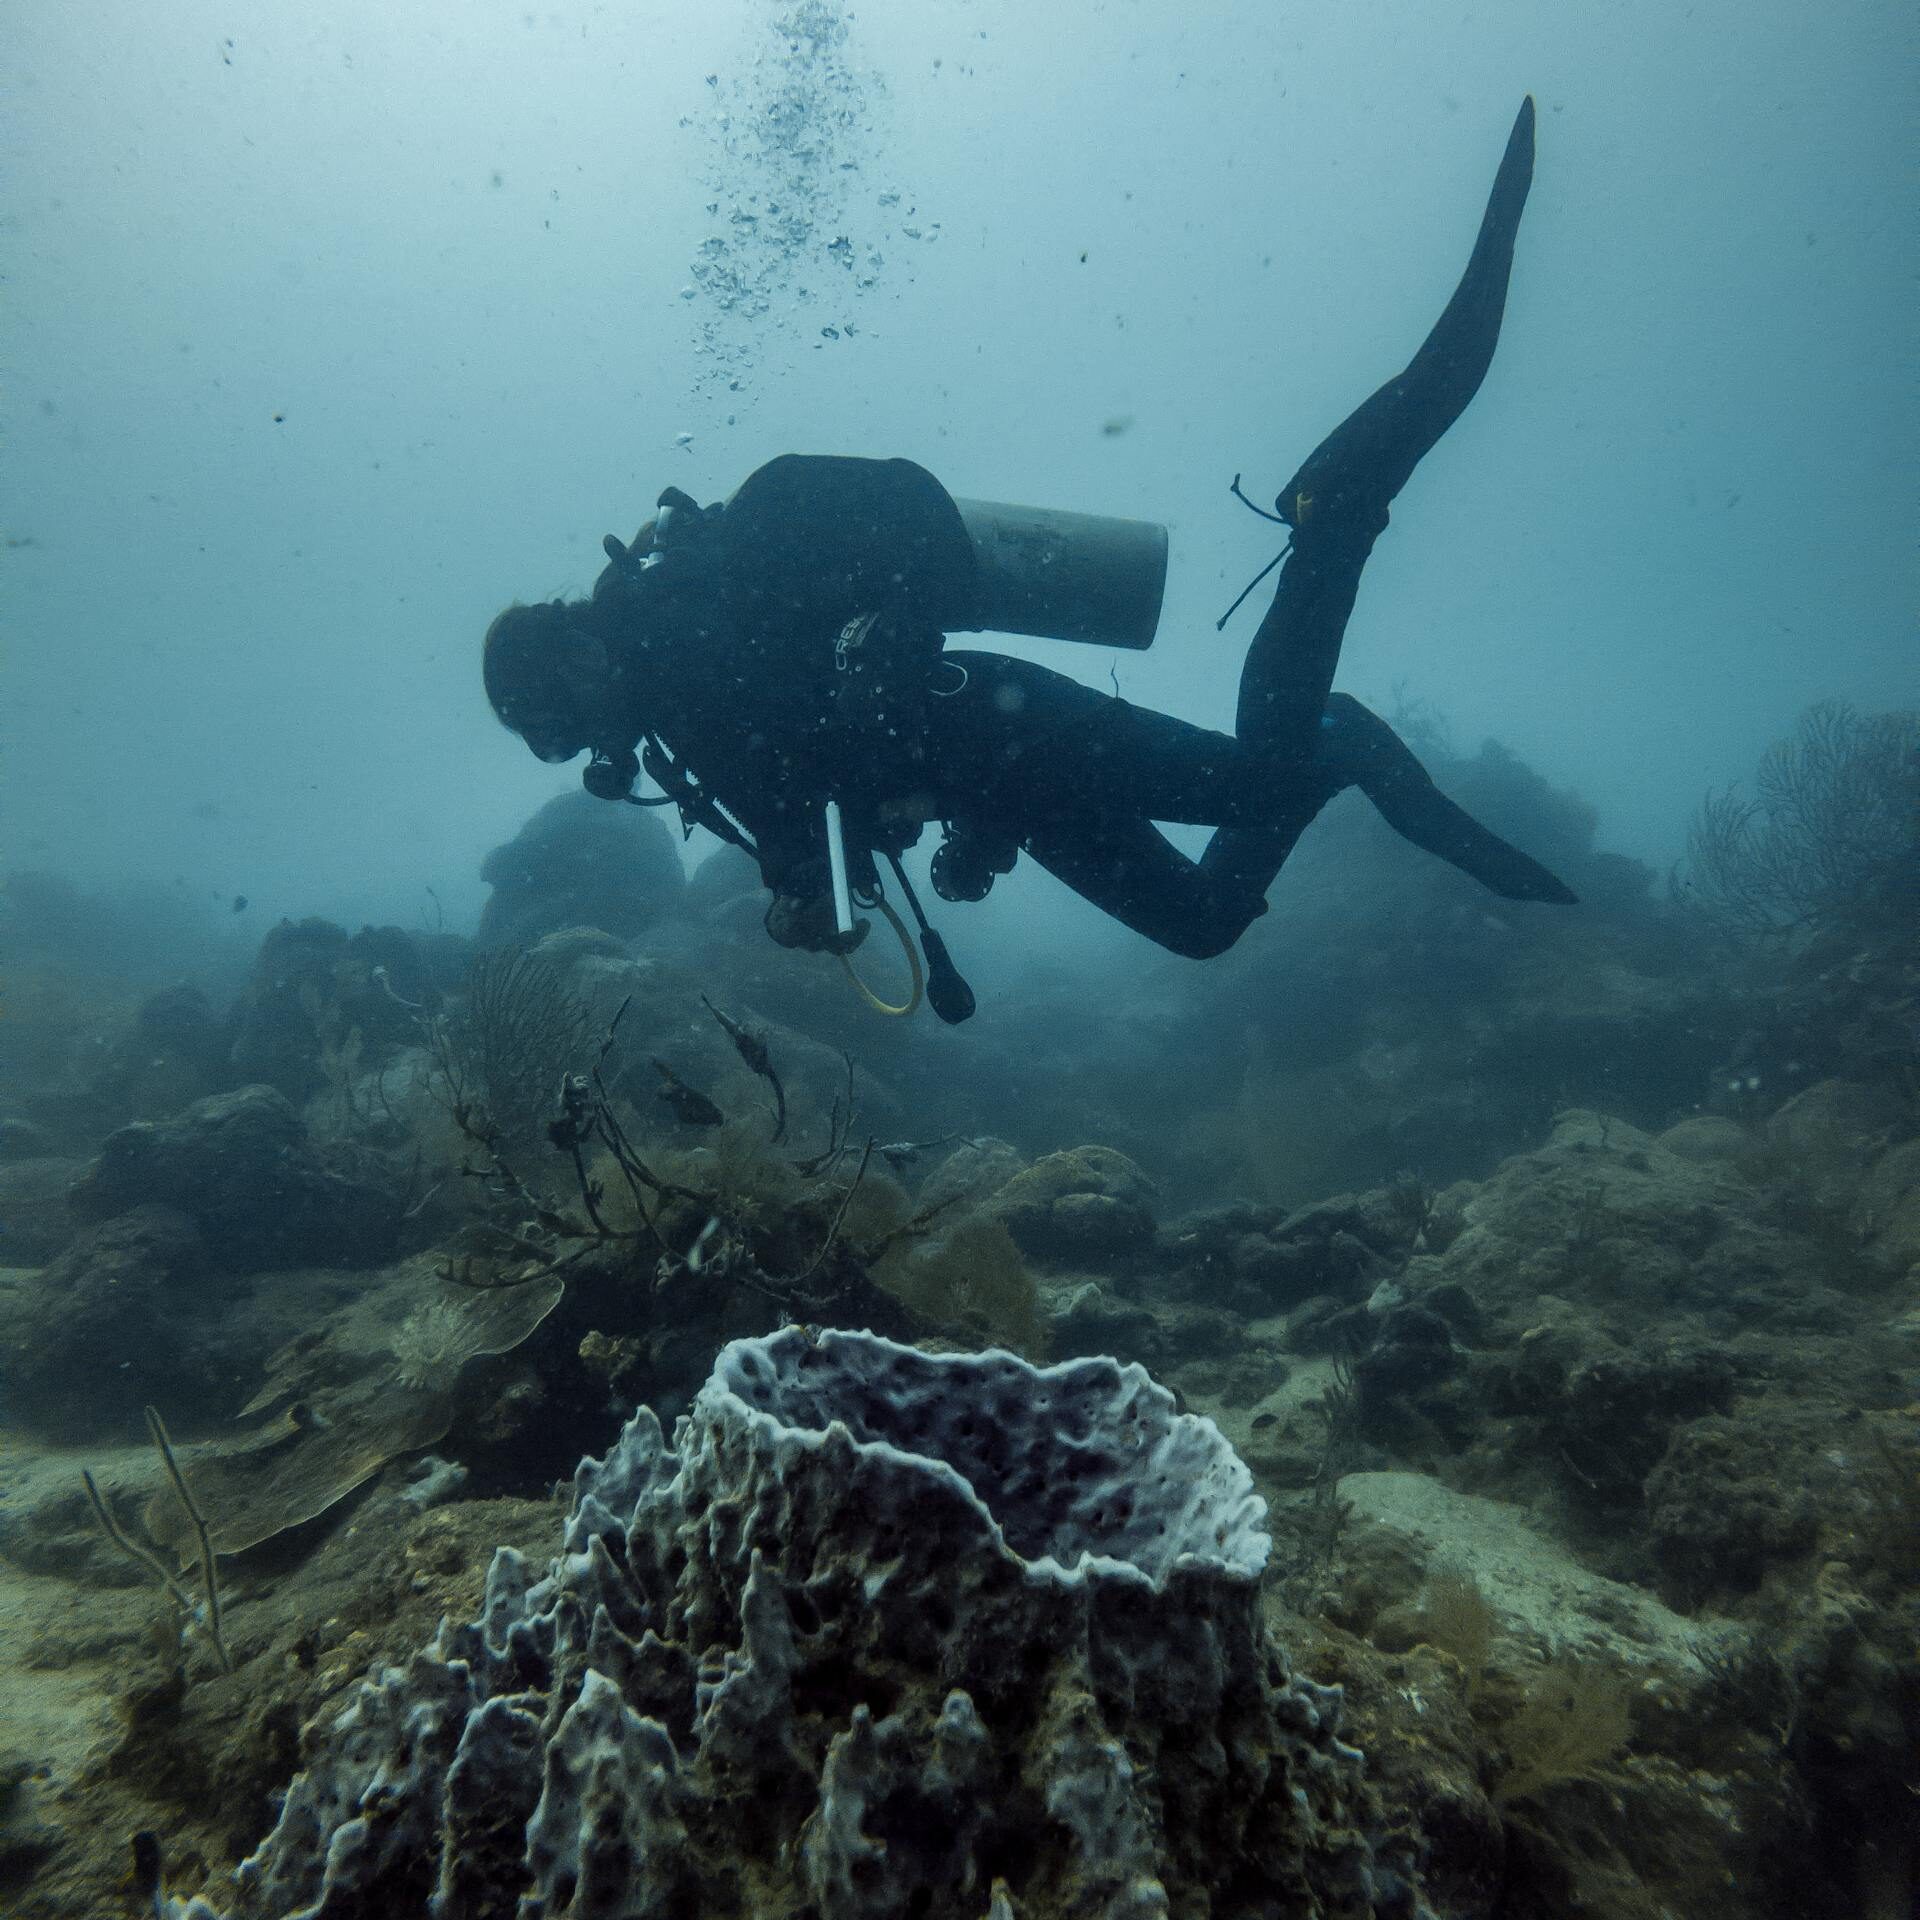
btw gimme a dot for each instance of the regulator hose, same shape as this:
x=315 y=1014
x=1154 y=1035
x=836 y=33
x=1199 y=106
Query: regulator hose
x=916 y=991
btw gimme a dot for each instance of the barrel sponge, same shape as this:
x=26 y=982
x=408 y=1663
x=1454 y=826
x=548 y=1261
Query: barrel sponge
x=881 y=1633
x=1083 y=1472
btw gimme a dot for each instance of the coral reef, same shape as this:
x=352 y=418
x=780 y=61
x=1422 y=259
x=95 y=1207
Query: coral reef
x=315 y=990
x=1832 y=838
x=1087 y=1205
x=1684 y=1365
x=579 y=862
x=123 y=1316
x=883 y=1633
x=243 y=1167
x=1592 y=1478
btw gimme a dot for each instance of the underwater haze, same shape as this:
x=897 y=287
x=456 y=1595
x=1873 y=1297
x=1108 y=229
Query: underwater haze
x=334 y=330
x=1308 y=1304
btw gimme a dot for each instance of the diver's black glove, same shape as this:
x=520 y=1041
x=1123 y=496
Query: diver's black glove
x=807 y=922
x=676 y=557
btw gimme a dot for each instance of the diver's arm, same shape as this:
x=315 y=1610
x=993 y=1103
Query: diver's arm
x=1360 y=749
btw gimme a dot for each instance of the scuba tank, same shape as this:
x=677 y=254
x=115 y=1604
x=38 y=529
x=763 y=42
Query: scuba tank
x=1065 y=576
x=1039 y=571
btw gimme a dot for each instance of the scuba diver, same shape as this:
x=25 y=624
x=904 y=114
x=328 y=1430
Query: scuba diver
x=779 y=666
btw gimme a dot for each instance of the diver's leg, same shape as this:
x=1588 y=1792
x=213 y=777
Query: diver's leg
x=1361 y=750
x=1245 y=860
x=1019 y=741
x=1337 y=502
x=1131 y=871
x=1021 y=755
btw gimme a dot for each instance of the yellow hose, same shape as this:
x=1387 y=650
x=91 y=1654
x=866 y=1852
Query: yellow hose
x=916 y=992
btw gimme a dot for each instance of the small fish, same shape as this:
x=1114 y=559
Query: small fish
x=901 y=1154
x=689 y=1104
x=697 y=1253
x=149 y=1868
x=384 y=982
x=752 y=1048
x=239 y=903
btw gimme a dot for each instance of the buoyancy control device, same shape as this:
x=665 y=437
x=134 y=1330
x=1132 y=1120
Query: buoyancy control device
x=870 y=532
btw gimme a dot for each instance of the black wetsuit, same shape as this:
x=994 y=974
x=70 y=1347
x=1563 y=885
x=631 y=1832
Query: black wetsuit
x=727 y=656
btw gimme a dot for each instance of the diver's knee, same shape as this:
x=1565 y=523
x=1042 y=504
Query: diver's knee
x=1206 y=936
x=1362 y=749
x=1343 y=710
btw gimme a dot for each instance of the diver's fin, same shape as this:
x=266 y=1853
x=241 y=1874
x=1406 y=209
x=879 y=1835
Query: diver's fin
x=1513 y=875
x=1371 y=455
x=1442 y=827
x=1361 y=750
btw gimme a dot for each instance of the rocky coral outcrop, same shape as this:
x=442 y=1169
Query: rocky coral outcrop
x=1839 y=1006
x=35 y=1222
x=1614 y=1217
x=121 y=1317
x=1832 y=1133
x=1886 y=1208
x=1256 y=1260
x=579 y=862
x=242 y=1165
x=1086 y=1206
x=319 y=997
x=883 y=1633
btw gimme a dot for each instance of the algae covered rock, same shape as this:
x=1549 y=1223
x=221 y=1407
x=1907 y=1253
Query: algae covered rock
x=1262 y=1259
x=881 y=1633
x=1087 y=1318
x=119 y=1318
x=1086 y=1206
x=579 y=862
x=973 y=1172
x=1886 y=1212
x=1722 y=1510
x=1709 y=1139
x=242 y=1166
x=1832 y=1133
x=35 y=1222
